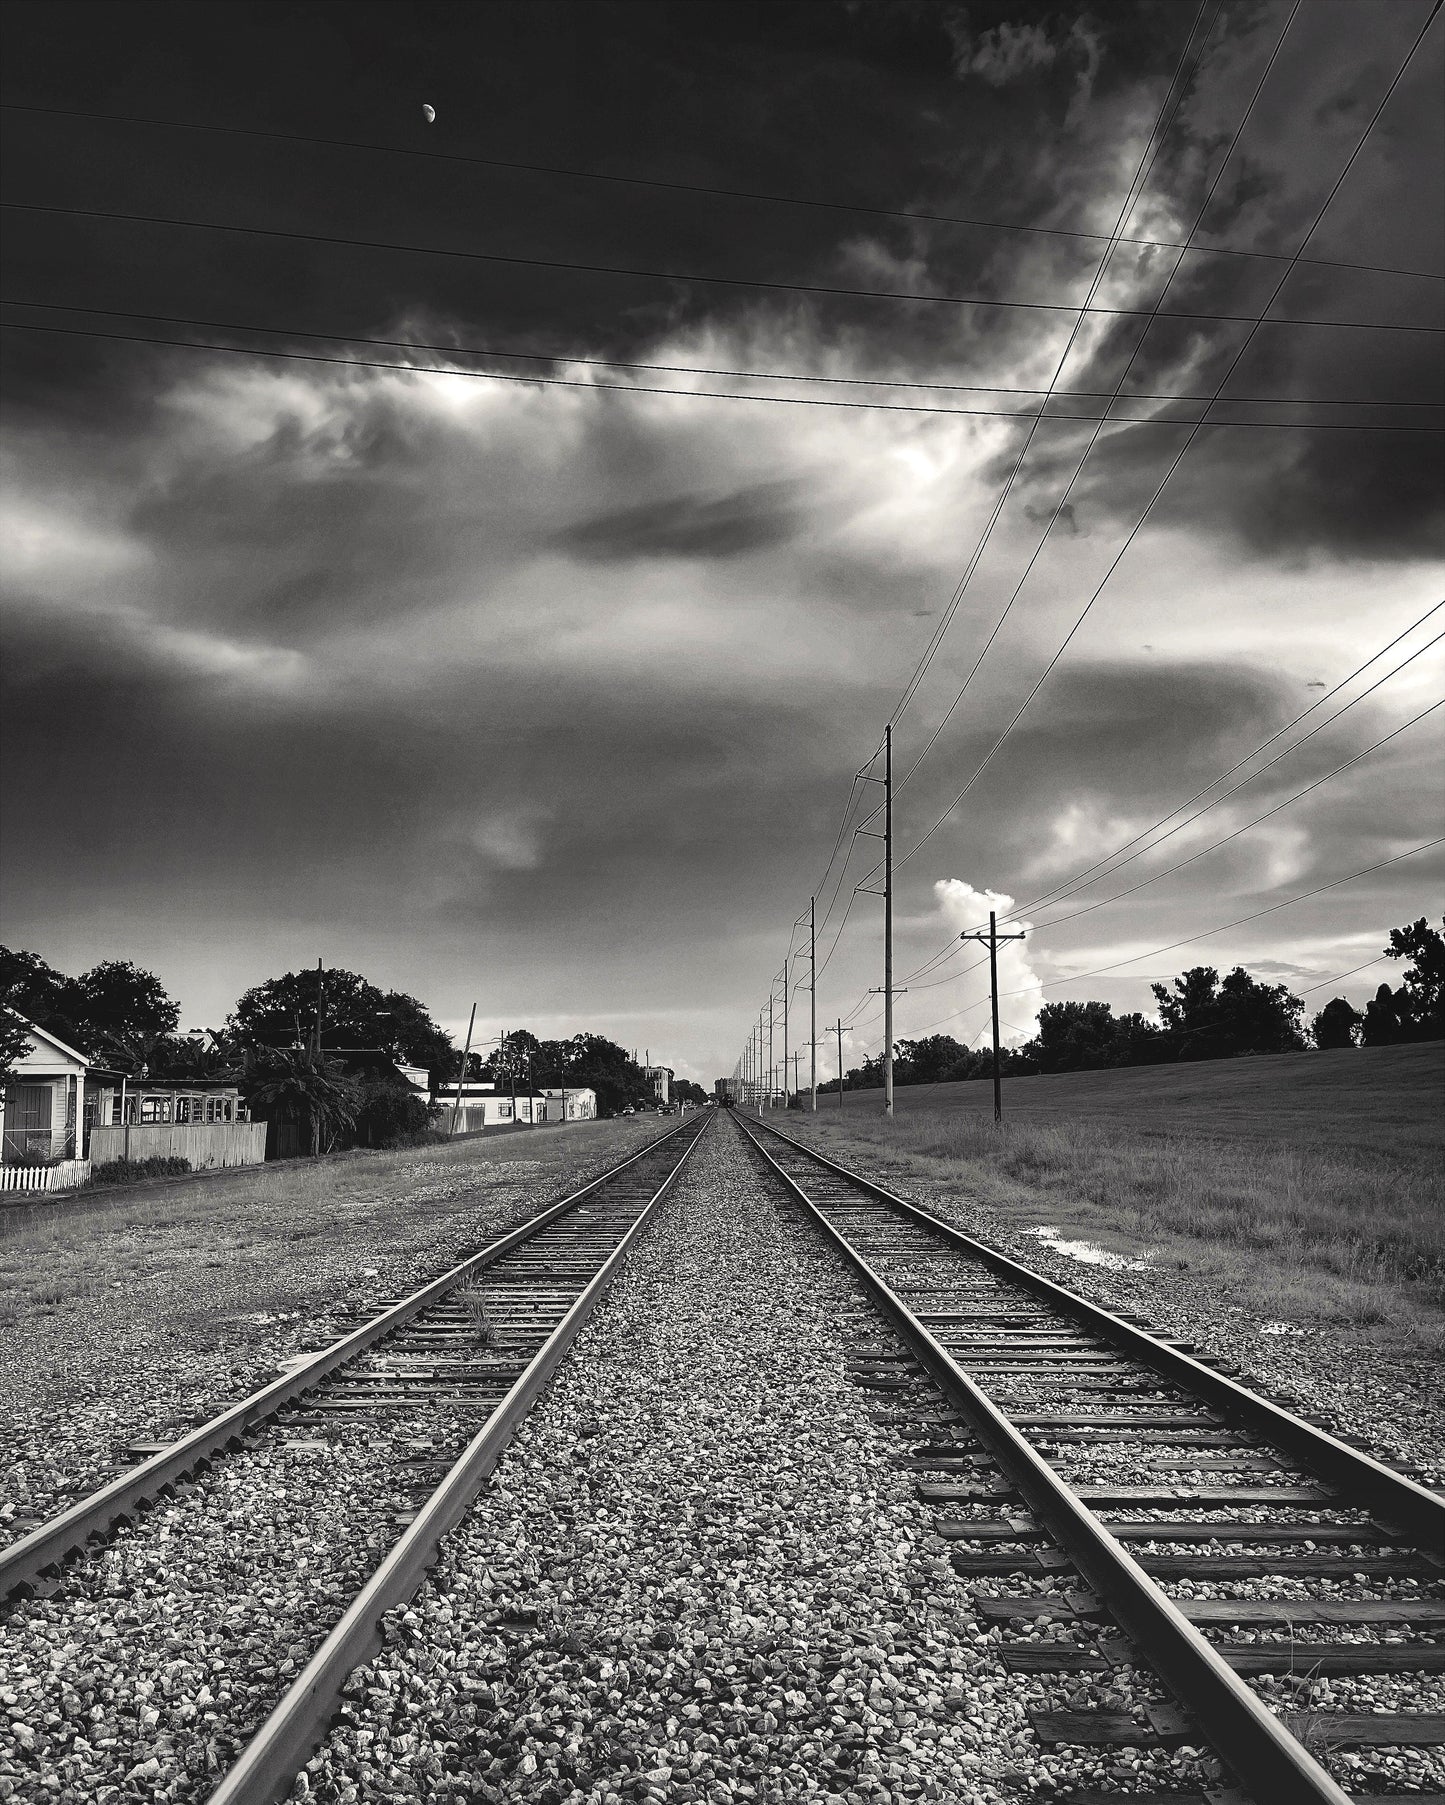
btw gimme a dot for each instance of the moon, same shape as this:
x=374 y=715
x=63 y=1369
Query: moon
x=429 y=113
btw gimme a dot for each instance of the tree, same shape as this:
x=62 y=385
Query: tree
x=1384 y=1023
x=1415 y=1010
x=1422 y=1006
x=936 y=1059
x=354 y=1013
x=114 y=999
x=599 y=1064
x=1212 y=1020
x=31 y=988
x=1337 y=1024
x=297 y=1084
x=117 y=998
x=388 y=1112
x=15 y=1043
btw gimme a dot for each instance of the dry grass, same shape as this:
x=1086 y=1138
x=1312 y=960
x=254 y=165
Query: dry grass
x=259 y=1220
x=1314 y=1222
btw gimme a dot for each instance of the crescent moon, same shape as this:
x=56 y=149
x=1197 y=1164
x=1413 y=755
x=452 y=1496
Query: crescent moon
x=429 y=113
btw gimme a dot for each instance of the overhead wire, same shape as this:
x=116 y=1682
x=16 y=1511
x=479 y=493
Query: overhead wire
x=1158 y=131
x=1169 y=870
x=635 y=271
x=571 y=359
x=1184 y=448
x=1162 y=122
x=1123 y=378
x=1223 y=928
x=1069 y=886
x=680 y=394
x=909 y=215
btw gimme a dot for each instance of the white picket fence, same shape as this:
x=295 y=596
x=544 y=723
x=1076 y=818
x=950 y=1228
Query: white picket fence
x=64 y=1177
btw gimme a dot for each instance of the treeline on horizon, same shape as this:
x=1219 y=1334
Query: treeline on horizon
x=1201 y=1016
x=286 y=1042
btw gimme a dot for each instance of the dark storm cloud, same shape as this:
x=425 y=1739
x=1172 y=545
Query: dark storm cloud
x=691 y=526
x=454 y=669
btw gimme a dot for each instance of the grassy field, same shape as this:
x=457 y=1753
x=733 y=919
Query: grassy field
x=1311 y=1184
x=256 y=1220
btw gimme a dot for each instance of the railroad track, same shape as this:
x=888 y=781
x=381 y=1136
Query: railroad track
x=478 y=1344
x=1068 y=1450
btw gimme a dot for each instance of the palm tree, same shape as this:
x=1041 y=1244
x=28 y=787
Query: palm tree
x=299 y=1083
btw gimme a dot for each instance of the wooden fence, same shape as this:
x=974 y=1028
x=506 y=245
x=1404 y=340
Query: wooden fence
x=205 y=1144
x=62 y=1177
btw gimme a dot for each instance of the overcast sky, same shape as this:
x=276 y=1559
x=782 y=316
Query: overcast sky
x=549 y=697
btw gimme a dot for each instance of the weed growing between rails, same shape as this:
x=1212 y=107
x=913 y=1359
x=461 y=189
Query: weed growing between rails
x=1287 y=1230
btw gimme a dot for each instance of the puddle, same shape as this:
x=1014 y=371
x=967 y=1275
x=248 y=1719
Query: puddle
x=1087 y=1253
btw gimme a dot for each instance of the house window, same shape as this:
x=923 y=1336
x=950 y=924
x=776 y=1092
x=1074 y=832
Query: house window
x=504 y=1110
x=183 y=1109
x=155 y=1109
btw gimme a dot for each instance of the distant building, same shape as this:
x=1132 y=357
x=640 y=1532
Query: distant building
x=660 y=1077
x=581 y=1104
x=482 y=1105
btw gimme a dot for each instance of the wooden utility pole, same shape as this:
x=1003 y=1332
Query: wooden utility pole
x=993 y=937
x=813 y=999
x=320 y=1004
x=887 y=894
x=785 y=1033
x=888 y=920
x=840 y=1062
x=461 y=1075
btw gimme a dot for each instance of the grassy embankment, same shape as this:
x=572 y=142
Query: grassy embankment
x=271 y=1226
x=1310 y=1185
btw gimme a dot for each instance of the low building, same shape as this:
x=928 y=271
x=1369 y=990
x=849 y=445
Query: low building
x=481 y=1105
x=44 y=1106
x=574 y=1104
x=202 y=1120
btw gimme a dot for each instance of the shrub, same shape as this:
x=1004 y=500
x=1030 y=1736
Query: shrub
x=135 y=1171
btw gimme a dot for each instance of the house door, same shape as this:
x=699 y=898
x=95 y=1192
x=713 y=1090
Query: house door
x=27 y=1123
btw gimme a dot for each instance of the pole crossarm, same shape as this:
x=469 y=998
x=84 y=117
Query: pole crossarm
x=992 y=939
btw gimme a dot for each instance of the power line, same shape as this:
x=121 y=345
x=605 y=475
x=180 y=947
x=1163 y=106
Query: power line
x=629 y=270
x=630 y=363
x=1193 y=939
x=1340 y=977
x=1163 y=120
x=1070 y=886
x=1169 y=870
x=1193 y=432
x=956 y=599
x=744 y=194
x=639 y=388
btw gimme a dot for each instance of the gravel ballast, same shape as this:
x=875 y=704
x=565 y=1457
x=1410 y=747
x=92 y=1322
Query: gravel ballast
x=701 y=1573
x=1392 y=1405
x=134 y=1326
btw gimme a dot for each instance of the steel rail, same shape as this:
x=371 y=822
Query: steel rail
x=1401 y=1503
x=1270 y=1763
x=265 y=1768
x=48 y=1546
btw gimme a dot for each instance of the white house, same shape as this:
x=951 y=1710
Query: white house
x=482 y=1105
x=44 y=1106
x=580 y=1105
